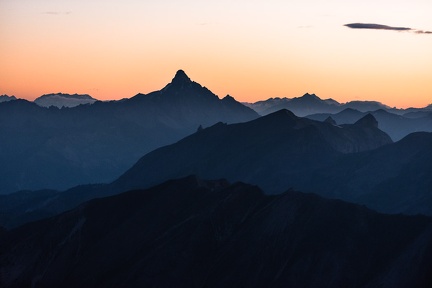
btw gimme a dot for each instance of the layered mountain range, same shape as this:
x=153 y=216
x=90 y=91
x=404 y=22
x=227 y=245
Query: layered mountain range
x=354 y=162
x=274 y=151
x=312 y=104
x=398 y=123
x=60 y=148
x=196 y=233
x=146 y=222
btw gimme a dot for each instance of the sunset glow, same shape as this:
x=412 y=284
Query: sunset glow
x=252 y=50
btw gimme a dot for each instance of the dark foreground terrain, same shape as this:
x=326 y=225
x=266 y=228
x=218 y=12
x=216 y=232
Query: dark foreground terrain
x=195 y=233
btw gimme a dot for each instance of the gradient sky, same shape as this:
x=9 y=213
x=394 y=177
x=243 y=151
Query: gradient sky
x=252 y=50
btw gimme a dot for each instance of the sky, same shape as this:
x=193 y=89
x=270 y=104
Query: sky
x=251 y=50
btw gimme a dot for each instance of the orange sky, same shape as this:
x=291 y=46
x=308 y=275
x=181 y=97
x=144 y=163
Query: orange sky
x=251 y=50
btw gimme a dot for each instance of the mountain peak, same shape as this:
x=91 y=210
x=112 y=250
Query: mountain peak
x=228 y=98
x=285 y=113
x=310 y=96
x=5 y=98
x=181 y=77
x=368 y=120
x=280 y=116
x=330 y=120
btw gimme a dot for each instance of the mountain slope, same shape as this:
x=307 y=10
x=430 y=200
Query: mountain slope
x=51 y=148
x=392 y=179
x=195 y=233
x=273 y=151
x=280 y=151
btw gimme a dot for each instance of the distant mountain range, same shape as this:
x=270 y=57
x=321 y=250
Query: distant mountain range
x=6 y=98
x=195 y=233
x=398 y=123
x=60 y=148
x=311 y=104
x=64 y=100
x=397 y=126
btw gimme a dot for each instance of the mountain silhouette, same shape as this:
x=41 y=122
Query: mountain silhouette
x=195 y=233
x=51 y=148
x=392 y=179
x=276 y=152
x=300 y=106
x=5 y=98
x=273 y=151
x=310 y=104
x=396 y=126
x=64 y=100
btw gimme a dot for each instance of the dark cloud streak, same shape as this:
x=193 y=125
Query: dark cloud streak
x=384 y=27
x=376 y=27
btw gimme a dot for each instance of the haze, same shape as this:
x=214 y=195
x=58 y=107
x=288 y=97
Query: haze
x=251 y=50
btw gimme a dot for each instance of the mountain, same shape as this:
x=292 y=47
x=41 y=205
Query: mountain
x=418 y=114
x=396 y=126
x=52 y=148
x=310 y=104
x=300 y=106
x=353 y=162
x=365 y=106
x=64 y=100
x=275 y=152
x=391 y=179
x=5 y=98
x=195 y=233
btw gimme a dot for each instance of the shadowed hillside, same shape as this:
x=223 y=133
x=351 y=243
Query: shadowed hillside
x=195 y=233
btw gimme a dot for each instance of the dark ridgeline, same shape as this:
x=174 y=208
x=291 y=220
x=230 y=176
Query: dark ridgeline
x=59 y=148
x=195 y=233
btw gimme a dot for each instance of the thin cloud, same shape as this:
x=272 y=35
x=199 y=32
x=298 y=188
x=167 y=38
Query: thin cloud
x=423 y=32
x=374 y=26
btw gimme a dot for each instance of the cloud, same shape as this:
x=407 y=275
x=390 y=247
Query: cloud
x=384 y=27
x=423 y=32
x=375 y=26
